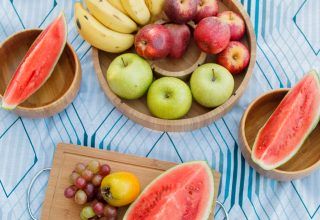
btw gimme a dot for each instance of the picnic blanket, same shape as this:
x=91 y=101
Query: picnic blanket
x=288 y=45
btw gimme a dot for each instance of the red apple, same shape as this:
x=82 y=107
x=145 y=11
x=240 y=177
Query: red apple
x=180 y=11
x=235 y=22
x=212 y=35
x=153 y=41
x=206 y=8
x=235 y=57
x=180 y=34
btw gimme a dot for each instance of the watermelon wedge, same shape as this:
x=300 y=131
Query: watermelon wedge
x=37 y=65
x=185 y=192
x=289 y=125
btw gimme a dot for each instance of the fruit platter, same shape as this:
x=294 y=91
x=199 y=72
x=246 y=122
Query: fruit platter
x=79 y=171
x=175 y=65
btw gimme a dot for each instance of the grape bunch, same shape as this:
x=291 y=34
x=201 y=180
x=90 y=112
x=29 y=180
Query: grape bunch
x=85 y=188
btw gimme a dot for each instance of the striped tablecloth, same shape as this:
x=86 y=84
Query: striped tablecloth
x=288 y=34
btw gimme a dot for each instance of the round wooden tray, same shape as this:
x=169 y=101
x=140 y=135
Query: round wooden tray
x=302 y=164
x=198 y=115
x=60 y=89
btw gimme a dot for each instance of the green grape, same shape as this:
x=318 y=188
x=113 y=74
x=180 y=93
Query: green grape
x=82 y=217
x=80 y=167
x=80 y=197
x=94 y=166
x=88 y=212
x=73 y=176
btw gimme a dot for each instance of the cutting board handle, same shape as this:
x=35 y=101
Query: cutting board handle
x=29 y=191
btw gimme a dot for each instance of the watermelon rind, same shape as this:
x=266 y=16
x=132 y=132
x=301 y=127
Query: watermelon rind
x=209 y=208
x=7 y=106
x=298 y=146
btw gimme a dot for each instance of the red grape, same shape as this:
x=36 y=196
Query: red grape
x=80 y=182
x=104 y=170
x=104 y=218
x=94 y=202
x=94 y=166
x=98 y=208
x=110 y=212
x=73 y=176
x=89 y=190
x=87 y=175
x=96 y=180
x=80 y=197
x=70 y=191
x=80 y=167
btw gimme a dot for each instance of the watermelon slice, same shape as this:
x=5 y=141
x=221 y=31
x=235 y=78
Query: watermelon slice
x=38 y=64
x=289 y=125
x=184 y=192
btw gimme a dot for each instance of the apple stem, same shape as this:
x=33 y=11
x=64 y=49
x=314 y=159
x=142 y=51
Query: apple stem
x=123 y=62
x=213 y=76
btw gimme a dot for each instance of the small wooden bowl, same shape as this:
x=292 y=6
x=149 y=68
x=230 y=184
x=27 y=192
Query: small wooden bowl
x=183 y=67
x=60 y=89
x=198 y=116
x=302 y=164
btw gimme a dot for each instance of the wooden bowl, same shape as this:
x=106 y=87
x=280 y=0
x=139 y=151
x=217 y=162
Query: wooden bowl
x=302 y=164
x=60 y=89
x=198 y=115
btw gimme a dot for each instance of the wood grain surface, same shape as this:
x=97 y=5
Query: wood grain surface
x=302 y=164
x=56 y=206
x=60 y=89
x=198 y=115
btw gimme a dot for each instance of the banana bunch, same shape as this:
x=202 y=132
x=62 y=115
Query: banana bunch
x=109 y=24
x=155 y=7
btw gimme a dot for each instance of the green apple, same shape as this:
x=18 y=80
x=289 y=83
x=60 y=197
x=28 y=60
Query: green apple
x=169 y=98
x=129 y=76
x=211 y=85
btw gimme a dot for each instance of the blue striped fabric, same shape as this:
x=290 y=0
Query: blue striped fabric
x=288 y=34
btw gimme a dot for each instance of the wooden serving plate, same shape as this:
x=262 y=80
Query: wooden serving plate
x=302 y=164
x=56 y=206
x=198 y=115
x=60 y=89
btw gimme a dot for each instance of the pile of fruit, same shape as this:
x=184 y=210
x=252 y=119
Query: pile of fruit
x=93 y=183
x=111 y=25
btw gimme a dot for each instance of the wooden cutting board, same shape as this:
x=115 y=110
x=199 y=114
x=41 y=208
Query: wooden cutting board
x=56 y=206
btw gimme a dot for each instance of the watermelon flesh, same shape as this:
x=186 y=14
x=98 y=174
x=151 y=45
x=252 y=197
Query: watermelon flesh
x=184 y=192
x=289 y=125
x=38 y=64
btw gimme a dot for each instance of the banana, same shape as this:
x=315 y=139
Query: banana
x=98 y=35
x=155 y=6
x=111 y=17
x=117 y=4
x=137 y=10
